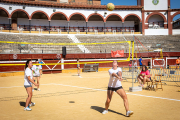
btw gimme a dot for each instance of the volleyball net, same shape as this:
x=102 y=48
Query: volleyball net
x=126 y=48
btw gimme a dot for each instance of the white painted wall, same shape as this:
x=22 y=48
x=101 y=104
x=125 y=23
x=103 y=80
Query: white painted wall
x=95 y=24
x=176 y=31
x=129 y=24
x=39 y=22
x=162 y=5
x=114 y=24
x=22 y=21
x=68 y=11
x=173 y=12
x=119 y=24
x=59 y=23
x=74 y=23
x=63 y=1
x=156 y=31
x=4 y=20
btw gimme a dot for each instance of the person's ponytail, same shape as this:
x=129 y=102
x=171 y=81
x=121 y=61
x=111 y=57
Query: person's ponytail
x=27 y=62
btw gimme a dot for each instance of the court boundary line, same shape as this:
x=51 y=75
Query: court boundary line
x=101 y=90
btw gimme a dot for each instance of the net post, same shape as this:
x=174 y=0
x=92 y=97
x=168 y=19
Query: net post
x=133 y=88
x=132 y=63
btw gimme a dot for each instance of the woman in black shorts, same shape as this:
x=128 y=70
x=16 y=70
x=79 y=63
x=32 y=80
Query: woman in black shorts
x=115 y=85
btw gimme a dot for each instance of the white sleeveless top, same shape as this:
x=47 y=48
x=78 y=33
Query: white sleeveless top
x=113 y=81
x=28 y=72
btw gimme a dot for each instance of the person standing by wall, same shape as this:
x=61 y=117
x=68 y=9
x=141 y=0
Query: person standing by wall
x=28 y=80
x=140 y=62
x=37 y=71
x=78 y=67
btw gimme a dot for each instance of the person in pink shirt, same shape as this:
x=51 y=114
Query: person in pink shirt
x=130 y=65
x=144 y=76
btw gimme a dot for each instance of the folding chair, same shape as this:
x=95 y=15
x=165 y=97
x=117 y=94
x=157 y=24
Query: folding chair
x=172 y=72
x=158 y=81
x=151 y=84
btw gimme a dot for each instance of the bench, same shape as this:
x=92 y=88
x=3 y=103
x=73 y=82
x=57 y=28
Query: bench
x=48 y=71
x=91 y=67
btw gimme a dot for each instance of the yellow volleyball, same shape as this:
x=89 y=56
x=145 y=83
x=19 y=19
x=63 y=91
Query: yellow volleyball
x=110 y=6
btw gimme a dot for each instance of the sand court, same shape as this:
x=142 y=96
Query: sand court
x=68 y=96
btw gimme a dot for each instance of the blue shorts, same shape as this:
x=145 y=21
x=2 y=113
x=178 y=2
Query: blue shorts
x=78 y=65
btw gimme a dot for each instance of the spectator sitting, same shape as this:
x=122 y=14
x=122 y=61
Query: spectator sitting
x=144 y=76
x=130 y=65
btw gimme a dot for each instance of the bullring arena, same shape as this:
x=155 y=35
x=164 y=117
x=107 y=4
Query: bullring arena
x=67 y=96
x=58 y=33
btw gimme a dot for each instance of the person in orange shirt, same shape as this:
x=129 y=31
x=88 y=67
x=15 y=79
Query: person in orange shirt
x=178 y=62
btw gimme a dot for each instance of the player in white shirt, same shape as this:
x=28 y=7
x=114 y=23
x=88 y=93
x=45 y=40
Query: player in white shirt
x=115 y=85
x=78 y=67
x=37 y=71
x=28 y=80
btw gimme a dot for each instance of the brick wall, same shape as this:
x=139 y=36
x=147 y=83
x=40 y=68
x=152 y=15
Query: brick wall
x=97 y=2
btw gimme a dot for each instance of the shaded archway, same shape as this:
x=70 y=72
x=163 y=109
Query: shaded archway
x=20 y=10
x=172 y=17
x=40 y=21
x=4 y=21
x=112 y=15
x=95 y=22
x=99 y=16
x=132 y=22
x=5 y=11
x=19 y=20
x=155 y=22
x=59 y=21
x=59 y=16
x=114 y=23
x=77 y=23
x=132 y=15
x=157 y=13
x=77 y=14
x=39 y=12
x=176 y=23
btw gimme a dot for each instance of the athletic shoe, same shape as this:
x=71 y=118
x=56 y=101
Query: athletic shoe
x=105 y=111
x=129 y=113
x=32 y=90
x=27 y=109
x=38 y=89
x=32 y=104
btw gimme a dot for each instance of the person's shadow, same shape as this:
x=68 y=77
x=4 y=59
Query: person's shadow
x=22 y=103
x=100 y=109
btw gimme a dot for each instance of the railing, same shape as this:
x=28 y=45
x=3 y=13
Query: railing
x=176 y=25
x=156 y=25
x=168 y=74
x=71 y=29
x=5 y=26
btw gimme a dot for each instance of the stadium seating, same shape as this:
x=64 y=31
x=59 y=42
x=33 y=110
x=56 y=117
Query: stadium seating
x=168 y=43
